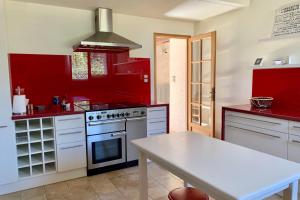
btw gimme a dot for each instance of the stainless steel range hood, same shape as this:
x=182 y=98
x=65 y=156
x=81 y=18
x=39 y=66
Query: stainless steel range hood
x=105 y=38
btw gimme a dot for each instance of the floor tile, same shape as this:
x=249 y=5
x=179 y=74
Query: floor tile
x=34 y=194
x=12 y=196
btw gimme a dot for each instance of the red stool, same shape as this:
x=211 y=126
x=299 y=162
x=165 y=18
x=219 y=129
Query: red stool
x=187 y=193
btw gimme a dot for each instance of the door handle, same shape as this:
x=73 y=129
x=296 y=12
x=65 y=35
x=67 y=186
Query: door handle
x=72 y=147
x=118 y=134
x=105 y=122
x=135 y=118
x=71 y=133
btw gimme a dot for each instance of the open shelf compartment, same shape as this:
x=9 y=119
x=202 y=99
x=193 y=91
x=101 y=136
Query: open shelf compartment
x=34 y=124
x=47 y=123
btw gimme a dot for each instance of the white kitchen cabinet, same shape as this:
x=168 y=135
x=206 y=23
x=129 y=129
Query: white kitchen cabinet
x=69 y=121
x=258 y=121
x=157 y=120
x=8 y=155
x=294 y=128
x=294 y=148
x=70 y=135
x=267 y=141
x=71 y=142
x=71 y=156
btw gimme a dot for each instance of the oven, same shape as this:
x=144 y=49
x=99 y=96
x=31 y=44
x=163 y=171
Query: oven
x=106 y=143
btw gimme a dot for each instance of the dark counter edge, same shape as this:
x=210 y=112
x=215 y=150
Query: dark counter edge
x=53 y=114
x=224 y=108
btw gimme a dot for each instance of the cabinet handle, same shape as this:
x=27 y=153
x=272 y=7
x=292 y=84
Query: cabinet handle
x=71 y=133
x=157 y=122
x=276 y=123
x=266 y=134
x=3 y=126
x=158 y=110
x=69 y=119
x=72 y=147
x=296 y=141
x=296 y=126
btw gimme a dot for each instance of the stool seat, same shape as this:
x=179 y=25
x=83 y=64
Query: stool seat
x=187 y=193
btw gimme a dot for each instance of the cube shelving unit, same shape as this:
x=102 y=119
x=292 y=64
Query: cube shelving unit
x=36 y=149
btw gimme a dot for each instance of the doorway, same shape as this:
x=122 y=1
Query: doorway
x=171 y=77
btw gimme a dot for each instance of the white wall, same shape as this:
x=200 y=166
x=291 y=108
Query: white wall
x=238 y=35
x=35 y=28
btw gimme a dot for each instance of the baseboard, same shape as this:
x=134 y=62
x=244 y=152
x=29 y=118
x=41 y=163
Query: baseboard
x=32 y=182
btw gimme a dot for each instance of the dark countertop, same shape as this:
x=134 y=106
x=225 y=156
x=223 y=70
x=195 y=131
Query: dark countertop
x=57 y=111
x=292 y=114
x=49 y=112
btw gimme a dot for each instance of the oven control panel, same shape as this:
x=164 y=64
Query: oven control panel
x=115 y=114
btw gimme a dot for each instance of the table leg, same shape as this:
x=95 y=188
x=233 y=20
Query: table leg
x=291 y=193
x=294 y=187
x=143 y=176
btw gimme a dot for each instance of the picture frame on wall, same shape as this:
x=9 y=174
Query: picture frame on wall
x=258 y=62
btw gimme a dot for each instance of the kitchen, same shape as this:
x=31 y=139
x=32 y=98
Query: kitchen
x=37 y=49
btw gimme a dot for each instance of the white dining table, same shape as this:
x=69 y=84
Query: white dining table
x=223 y=170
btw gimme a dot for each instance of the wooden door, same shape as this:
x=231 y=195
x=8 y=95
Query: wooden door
x=201 y=83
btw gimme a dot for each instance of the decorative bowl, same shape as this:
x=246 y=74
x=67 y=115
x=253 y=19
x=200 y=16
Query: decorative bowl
x=261 y=102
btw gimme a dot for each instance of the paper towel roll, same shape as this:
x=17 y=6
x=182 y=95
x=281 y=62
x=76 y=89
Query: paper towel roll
x=19 y=104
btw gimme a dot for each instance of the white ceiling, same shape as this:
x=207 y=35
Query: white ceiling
x=144 y=8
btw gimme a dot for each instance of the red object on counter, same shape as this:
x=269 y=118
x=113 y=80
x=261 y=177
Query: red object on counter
x=45 y=76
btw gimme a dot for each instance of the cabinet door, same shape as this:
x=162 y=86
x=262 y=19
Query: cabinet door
x=267 y=141
x=8 y=155
x=294 y=148
x=5 y=100
x=69 y=122
x=71 y=156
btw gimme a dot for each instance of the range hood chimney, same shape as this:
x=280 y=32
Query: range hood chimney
x=105 y=38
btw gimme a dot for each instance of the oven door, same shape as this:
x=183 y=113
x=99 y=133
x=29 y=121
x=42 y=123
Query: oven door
x=106 y=149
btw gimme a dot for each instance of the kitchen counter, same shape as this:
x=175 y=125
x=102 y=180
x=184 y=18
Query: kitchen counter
x=57 y=111
x=49 y=112
x=276 y=112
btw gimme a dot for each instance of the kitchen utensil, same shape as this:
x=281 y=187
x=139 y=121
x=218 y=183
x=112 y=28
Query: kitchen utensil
x=19 y=104
x=55 y=100
x=261 y=102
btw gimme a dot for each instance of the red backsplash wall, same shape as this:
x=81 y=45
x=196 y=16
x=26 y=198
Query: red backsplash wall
x=45 y=76
x=282 y=84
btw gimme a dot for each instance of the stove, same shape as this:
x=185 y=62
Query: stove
x=110 y=129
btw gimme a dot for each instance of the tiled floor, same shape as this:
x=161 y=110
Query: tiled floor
x=117 y=185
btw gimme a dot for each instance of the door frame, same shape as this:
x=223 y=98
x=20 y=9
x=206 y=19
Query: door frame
x=212 y=35
x=177 y=36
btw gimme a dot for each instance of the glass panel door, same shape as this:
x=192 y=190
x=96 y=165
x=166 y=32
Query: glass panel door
x=202 y=83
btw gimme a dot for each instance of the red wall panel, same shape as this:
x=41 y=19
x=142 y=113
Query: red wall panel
x=282 y=84
x=45 y=76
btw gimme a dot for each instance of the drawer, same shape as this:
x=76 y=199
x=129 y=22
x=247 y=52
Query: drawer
x=154 y=124
x=157 y=112
x=70 y=135
x=267 y=141
x=258 y=121
x=294 y=128
x=71 y=156
x=294 y=148
x=69 y=122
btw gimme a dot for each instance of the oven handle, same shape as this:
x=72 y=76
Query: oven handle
x=136 y=118
x=118 y=134
x=105 y=122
